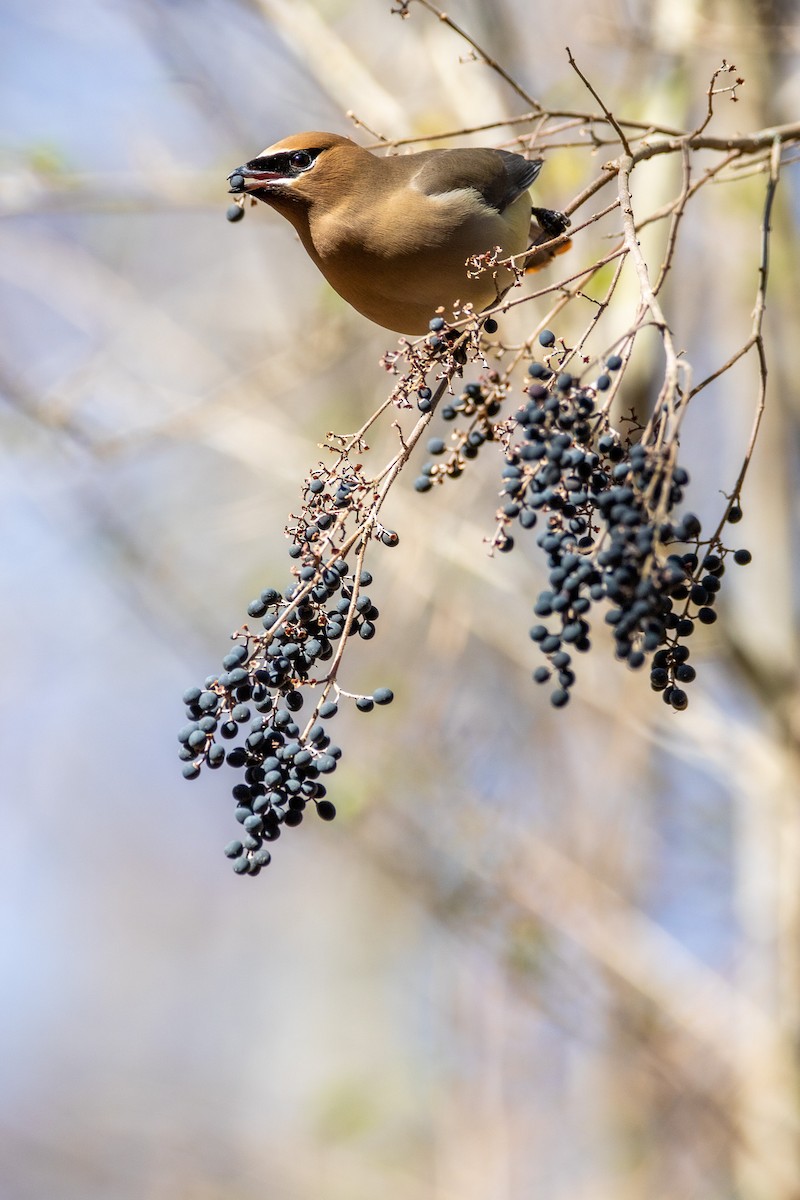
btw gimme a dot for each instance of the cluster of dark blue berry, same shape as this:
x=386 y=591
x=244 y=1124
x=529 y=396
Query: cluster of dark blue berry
x=605 y=505
x=248 y=715
x=254 y=704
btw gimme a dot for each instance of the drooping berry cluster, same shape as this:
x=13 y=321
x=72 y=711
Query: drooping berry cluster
x=254 y=703
x=607 y=504
x=248 y=716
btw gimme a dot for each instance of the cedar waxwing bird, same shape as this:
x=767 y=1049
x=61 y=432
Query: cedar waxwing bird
x=392 y=235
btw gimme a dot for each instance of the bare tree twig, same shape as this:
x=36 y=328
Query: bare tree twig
x=482 y=54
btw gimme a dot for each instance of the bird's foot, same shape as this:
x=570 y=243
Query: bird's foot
x=552 y=222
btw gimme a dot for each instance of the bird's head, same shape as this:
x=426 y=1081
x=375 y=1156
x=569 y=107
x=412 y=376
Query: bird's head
x=297 y=170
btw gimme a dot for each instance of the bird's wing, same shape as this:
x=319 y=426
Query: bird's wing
x=521 y=172
x=499 y=176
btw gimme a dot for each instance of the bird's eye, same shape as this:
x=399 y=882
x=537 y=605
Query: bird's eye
x=301 y=160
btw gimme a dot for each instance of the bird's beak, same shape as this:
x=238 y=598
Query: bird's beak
x=244 y=179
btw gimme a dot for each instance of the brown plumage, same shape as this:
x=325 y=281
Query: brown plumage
x=392 y=234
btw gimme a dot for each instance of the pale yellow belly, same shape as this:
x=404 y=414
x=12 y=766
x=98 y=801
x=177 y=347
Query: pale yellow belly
x=403 y=291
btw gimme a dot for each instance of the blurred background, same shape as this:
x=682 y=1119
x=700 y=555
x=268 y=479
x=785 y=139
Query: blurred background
x=538 y=954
